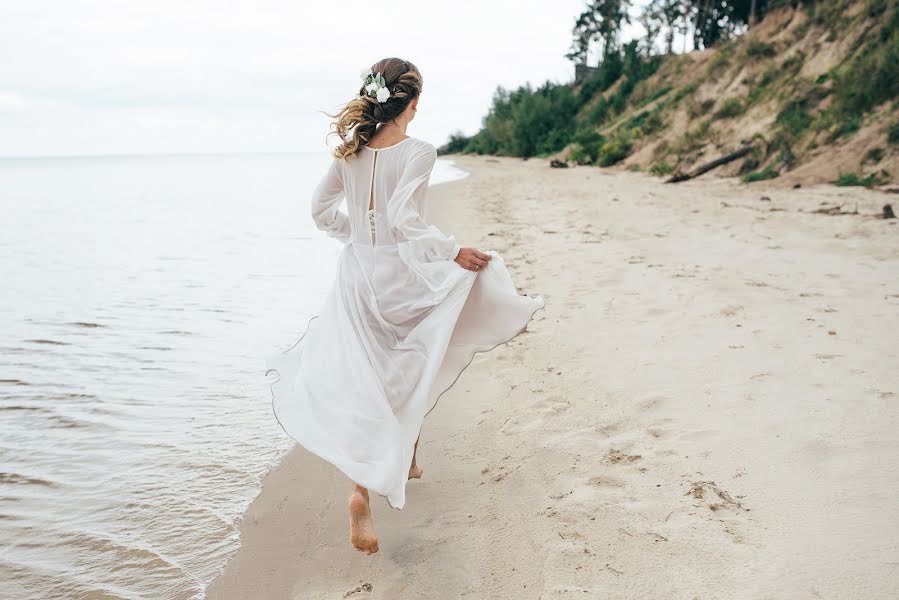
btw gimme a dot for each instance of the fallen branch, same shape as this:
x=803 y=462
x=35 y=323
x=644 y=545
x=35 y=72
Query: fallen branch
x=678 y=177
x=835 y=210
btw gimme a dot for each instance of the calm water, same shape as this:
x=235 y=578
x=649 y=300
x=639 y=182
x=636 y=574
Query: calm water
x=140 y=297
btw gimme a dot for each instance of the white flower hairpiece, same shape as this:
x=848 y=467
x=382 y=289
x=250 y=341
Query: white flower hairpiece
x=375 y=85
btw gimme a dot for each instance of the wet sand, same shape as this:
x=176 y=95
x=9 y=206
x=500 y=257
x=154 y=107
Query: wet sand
x=707 y=407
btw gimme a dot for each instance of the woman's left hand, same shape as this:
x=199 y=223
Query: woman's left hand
x=472 y=259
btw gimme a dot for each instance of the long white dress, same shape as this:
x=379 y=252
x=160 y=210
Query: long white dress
x=400 y=324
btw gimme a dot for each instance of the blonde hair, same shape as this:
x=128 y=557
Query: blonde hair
x=358 y=120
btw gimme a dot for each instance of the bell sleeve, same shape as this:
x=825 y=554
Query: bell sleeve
x=425 y=241
x=325 y=207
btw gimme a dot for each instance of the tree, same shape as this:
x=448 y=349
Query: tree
x=663 y=16
x=600 y=22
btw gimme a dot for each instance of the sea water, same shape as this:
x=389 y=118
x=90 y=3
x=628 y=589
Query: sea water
x=139 y=297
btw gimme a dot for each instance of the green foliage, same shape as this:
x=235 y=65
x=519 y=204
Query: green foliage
x=587 y=145
x=846 y=125
x=794 y=118
x=645 y=123
x=757 y=49
x=828 y=13
x=591 y=147
x=876 y=8
x=529 y=122
x=720 y=60
x=694 y=138
x=853 y=179
x=687 y=90
x=869 y=78
x=874 y=155
x=458 y=142
x=640 y=98
x=526 y=122
x=731 y=107
x=766 y=173
x=893 y=134
x=661 y=168
x=613 y=151
x=792 y=65
x=698 y=109
x=601 y=119
x=607 y=73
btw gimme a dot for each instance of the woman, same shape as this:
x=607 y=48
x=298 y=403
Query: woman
x=408 y=310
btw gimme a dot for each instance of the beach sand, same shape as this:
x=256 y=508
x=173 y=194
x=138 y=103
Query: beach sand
x=706 y=408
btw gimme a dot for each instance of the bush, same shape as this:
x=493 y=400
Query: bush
x=794 y=119
x=612 y=151
x=869 y=78
x=755 y=48
x=730 y=108
x=645 y=123
x=846 y=125
x=874 y=155
x=458 y=142
x=693 y=138
x=853 y=179
x=655 y=95
x=661 y=168
x=587 y=145
x=579 y=155
x=876 y=8
x=893 y=133
x=766 y=173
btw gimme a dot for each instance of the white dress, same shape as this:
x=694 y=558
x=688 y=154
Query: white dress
x=400 y=324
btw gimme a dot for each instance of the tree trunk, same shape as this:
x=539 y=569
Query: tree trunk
x=752 y=17
x=678 y=177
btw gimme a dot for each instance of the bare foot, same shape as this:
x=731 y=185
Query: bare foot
x=362 y=532
x=415 y=470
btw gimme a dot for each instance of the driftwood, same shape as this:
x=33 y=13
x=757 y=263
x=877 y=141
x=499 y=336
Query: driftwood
x=558 y=164
x=835 y=211
x=678 y=177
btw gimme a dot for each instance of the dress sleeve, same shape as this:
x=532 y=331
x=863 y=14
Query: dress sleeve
x=326 y=204
x=409 y=226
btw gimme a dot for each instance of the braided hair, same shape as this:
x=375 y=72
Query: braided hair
x=358 y=120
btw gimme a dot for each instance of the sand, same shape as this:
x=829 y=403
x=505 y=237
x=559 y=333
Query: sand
x=706 y=408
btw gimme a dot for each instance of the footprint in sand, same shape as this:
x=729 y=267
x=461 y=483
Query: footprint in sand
x=651 y=402
x=658 y=433
x=521 y=423
x=552 y=405
x=604 y=481
x=715 y=498
x=614 y=457
x=732 y=310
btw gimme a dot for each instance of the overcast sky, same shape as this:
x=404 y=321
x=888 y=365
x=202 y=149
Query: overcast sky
x=109 y=77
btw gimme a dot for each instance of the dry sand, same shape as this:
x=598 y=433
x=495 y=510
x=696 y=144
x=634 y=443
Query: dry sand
x=707 y=408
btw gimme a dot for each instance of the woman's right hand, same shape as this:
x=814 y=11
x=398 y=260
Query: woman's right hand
x=472 y=259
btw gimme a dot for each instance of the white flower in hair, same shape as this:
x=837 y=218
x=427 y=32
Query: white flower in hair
x=375 y=85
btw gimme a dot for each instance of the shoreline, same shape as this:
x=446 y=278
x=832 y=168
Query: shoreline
x=705 y=406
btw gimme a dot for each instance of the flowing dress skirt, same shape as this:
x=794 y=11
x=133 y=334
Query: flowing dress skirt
x=389 y=340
